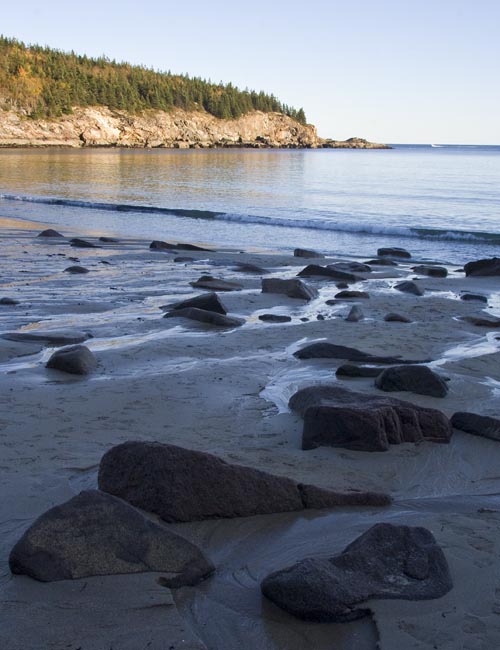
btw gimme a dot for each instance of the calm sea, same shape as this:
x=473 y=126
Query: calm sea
x=440 y=202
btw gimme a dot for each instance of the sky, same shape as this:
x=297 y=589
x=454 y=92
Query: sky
x=416 y=71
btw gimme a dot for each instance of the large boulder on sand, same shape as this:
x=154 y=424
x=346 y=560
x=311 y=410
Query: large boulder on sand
x=394 y=252
x=95 y=534
x=293 y=288
x=49 y=232
x=215 y=284
x=183 y=485
x=431 y=271
x=477 y=425
x=484 y=267
x=77 y=360
x=338 y=417
x=209 y=301
x=204 y=316
x=326 y=271
x=304 y=252
x=326 y=350
x=387 y=561
x=416 y=379
x=49 y=337
x=407 y=286
x=76 y=242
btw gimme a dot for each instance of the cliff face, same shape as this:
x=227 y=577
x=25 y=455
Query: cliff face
x=99 y=126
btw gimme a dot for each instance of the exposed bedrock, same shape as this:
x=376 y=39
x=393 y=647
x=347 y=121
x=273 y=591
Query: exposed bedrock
x=387 y=561
x=184 y=485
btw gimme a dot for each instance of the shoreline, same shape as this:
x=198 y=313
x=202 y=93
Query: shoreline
x=225 y=392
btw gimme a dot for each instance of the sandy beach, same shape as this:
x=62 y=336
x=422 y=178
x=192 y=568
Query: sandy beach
x=226 y=391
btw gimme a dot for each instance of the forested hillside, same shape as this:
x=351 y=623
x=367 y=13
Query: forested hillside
x=43 y=82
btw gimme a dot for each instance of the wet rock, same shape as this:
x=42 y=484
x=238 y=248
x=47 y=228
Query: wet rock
x=215 y=284
x=8 y=301
x=274 y=318
x=348 y=295
x=52 y=337
x=49 y=233
x=76 y=360
x=482 y=322
x=325 y=350
x=95 y=534
x=303 y=252
x=381 y=262
x=394 y=252
x=207 y=301
x=204 y=316
x=109 y=240
x=477 y=425
x=338 y=417
x=191 y=247
x=407 y=286
x=387 y=561
x=349 y=370
x=355 y=315
x=473 y=296
x=182 y=485
x=183 y=259
x=158 y=245
x=396 y=318
x=312 y=270
x=340 y=285
x=484 y=267
x=416 y=379
x=76 y=269
x=293 y=288
x=250 y=268
x=350 y=267
x=431 y=271
x=320 y=317
x=81 y=243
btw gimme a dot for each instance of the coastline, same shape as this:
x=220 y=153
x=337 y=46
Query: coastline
x=225 y=392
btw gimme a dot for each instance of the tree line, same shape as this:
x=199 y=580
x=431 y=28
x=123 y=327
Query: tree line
x=48 y=83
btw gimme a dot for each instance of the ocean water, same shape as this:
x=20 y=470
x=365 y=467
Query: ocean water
x=440 y=202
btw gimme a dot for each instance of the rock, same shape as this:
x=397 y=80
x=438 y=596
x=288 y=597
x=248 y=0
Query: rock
x=338 y=417
x=183 y=259
x=482 y=322
x=215 y=284
x=351 y=143
x=8 y=301
x=274 y=318
x=349 y=370
x=355 y=315
x=416 y=379
x=340 y=285
x=381 y=262
x=158 y=245
x=52 y=337
x=250 y=268
x=350 y=267
x=76 y=269
x=109 y=240
x=473 y=296
x=77 y=360
x=477 y=425
x=81 y=243
x=95 y=534
x=387 y=561
x=396 y=318
x=394 y=252
x=407 y=286
x=326 y=271
x=293 y=288
x=207 y=301
x=348 y=295
x=303 y=252
x=325 y=350
x=182 y=485
x=204 y=316
x=49 y=233
x=191 y=247
x=431 y=271
x=484 y=267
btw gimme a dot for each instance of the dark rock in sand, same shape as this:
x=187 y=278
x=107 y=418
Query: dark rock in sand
x=293 y=288
x=394 y=252
x=387 y=561
x=49 y=233
x=182 y=485
x=8 y=301
x=381 y=262
x=485 y=267
x=396 y=318
x=53 y=338
x=431 y=271
x=477 y=425
x=341 y=285
x=274 y=318
x=355 y=315
x=303 y=252
x=325 y=350
x=215 y=284
x=473 y=296
x=81 y=243
x=350 y=267
x=77 y=360
x=158 y=245
x=250 y=268
x=326 y=271
x=191 y=247
x=95 y=534
x=338 y=417
x=207 y=301
x=349 y=370
x=416 y=379
x=76 y=269
x=482 y=322
x=348 y=295
x=183 y=259
x=204 y=316
x=407 y=286
x=109 y=240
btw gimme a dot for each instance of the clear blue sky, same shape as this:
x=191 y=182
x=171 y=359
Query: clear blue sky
x=405 y=71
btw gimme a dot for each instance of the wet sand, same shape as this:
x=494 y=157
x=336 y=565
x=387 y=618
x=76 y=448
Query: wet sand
x=226 y=392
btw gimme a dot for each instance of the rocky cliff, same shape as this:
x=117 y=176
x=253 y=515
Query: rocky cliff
x=101 y=127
